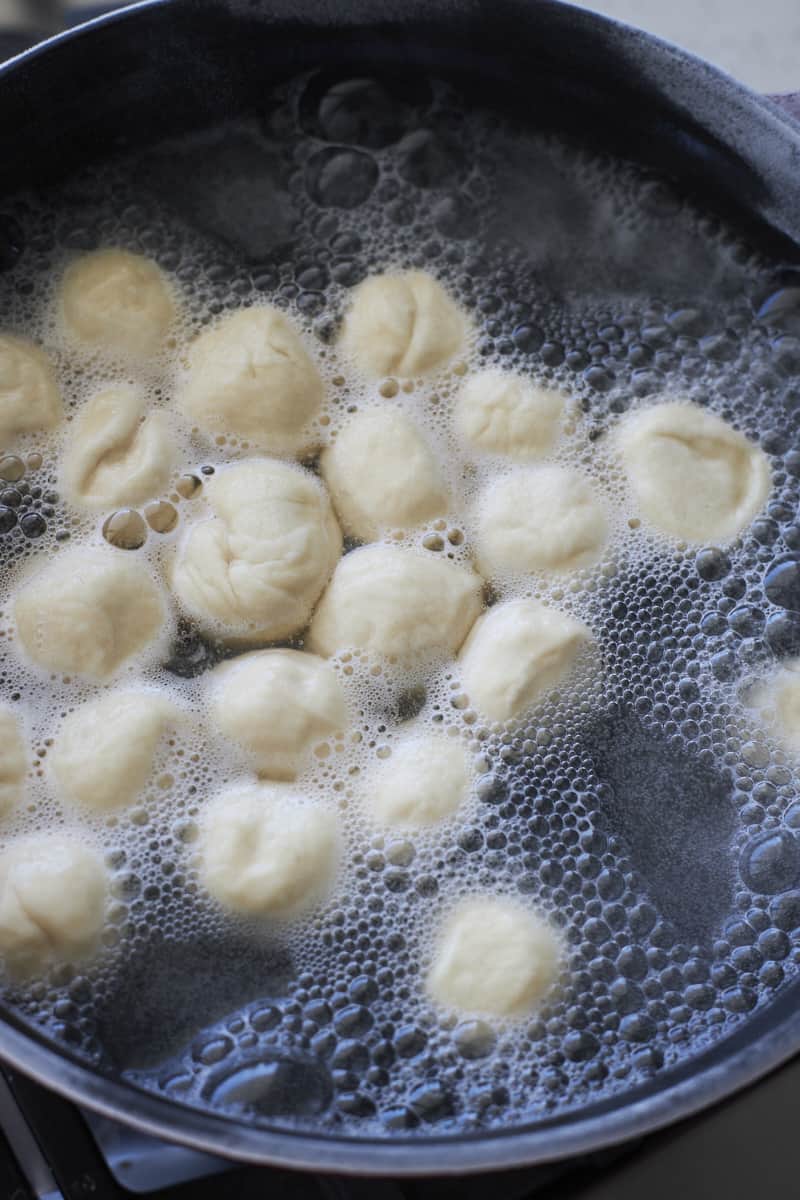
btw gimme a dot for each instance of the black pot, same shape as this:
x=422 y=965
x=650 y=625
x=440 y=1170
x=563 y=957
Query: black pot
x=165 y=66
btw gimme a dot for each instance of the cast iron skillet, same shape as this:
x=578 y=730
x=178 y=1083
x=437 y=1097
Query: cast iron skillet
x=164 y=66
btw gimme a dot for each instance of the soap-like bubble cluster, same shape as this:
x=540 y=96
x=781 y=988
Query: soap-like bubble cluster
x=641 y=807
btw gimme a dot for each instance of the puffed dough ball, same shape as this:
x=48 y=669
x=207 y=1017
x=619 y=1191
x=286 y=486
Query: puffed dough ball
x=256 y=569
x=396 y=603
x=103 y=753
x=403 y=324
x=278 y=705
x=382 y=474
x=544 y=519
x=515 y=653
x=13 y=761
x=692 y=475
x=778 y=700
x=118 y=453
x=29 y=395
x=424 y=780
x=265 y=852
x=117 y=301
x=494 y=957
x=52 y=900
x=251 y=375
x=87 y=612
x=501 y=413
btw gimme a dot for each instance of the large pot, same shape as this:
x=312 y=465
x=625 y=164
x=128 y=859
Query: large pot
x=164 y=66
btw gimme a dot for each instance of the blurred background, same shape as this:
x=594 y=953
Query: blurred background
x=758 y=41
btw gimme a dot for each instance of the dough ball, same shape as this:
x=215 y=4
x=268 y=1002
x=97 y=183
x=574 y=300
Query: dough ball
x=251 y=375
x=403 y=324
x=425 y=779
x=544 y=519
x=382 y=474
x=517 y=651
x=88 y=611
x=502 y=413
x=265 y=851
x=494 y=957
x=396 y=603
x=118 y=453
x=255 y=570
x=29 y=395
x=103 y=753
x=692 y=475
x=13 y=761
x=117 y=302
x=278 y=705
x=778 y=701
x=52 y=900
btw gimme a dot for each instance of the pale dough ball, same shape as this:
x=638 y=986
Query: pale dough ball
x=396 y=603
x=501 y=413
x=264 y=851
x=29 y=396
x=52 y=900
x=778 y=700
x=382 y=474
x=118 y=453
x=256 y=569
x=251 y=375
x=13 y=761
x=544 y=519
x=118 y=302
x=425 y=779
x=102 y=755
x=693 y=476
x=88 y=611
x=278 y=705
x=515 y=653
x=403 y=324
x=494 y=957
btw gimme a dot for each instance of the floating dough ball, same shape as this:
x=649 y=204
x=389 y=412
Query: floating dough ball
x=502 y=413
x=265 y=851
x=87 y=612
x=539 y=519
x=251 y=375
x=254 y=571
x=693 y=476
x=382 y=474
x=118 y=453
x=404 y=324
x=29 y=395
x=118 y=302
x=52 y=900
x=396 y=603
x=515 y=653
x=778 y=700
x=494 y=957
x=103 y=753
x=278 y=704
x=13 y=761
x=424 y=780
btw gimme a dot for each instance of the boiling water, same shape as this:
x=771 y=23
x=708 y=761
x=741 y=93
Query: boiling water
x=640 y=807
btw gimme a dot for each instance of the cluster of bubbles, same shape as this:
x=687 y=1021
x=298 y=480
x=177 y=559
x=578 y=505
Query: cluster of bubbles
x=639 y=809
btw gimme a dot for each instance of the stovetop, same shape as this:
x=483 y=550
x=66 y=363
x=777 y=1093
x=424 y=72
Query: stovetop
x=744 y=1149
